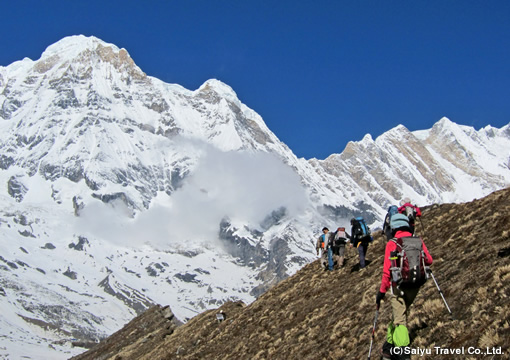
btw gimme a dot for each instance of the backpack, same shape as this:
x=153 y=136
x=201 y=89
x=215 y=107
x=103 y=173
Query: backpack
x=323 y=242
x=392 y=210
x=410 y=212
x=340 y=237
x=408 y=262
x=361 y=230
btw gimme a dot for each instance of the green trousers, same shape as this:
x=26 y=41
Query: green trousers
x=400 y=301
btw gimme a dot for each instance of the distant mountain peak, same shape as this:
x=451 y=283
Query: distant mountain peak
x=218 y=86
x=367 y=139
x=215 y=90
x=445 y=124
x=85 y=51
x=445 y=120
x=71 y=46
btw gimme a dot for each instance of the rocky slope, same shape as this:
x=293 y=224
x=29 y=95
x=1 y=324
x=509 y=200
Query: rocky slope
x=121 y=191
x=328 y=315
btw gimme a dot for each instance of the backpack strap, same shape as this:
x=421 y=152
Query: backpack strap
x=395 y=264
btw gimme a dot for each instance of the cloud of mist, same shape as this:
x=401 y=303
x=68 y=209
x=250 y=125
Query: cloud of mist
x=243 y=186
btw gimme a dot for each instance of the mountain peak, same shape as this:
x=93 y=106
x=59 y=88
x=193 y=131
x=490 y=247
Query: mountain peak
x=398 y=132
x=216 y=85
x=72 y=46
x=445 y=128
x=444 y=123
x=445 y=120
x=220 y=88
x=80 y=49
x=367 y=139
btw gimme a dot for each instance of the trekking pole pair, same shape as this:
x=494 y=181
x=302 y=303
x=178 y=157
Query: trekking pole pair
x=373 y=331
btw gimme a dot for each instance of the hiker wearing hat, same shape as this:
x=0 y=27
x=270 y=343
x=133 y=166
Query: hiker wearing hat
x=404 y=269
x=324 y=249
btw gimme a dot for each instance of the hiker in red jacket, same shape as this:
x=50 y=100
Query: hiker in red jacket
x=411 y=211
x=403 y=288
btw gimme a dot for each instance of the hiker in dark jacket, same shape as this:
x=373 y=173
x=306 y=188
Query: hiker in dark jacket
x=359 y=241
x=401 y=297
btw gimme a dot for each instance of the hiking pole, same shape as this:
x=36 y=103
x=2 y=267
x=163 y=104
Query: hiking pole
x=440 y=292
x=373 y=331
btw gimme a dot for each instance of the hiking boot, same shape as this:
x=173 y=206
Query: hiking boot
x=387 y=351
x=405 y=353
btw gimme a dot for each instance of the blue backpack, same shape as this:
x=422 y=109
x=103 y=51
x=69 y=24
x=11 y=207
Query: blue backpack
x=392 y=210
x=365 y=230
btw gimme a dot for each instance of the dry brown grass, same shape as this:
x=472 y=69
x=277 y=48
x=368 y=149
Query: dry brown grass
x=321 y=315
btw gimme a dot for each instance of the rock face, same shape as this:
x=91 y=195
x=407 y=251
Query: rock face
x=121 y=191
x=315 y=314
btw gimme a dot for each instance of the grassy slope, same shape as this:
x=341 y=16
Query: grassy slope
x=329 y=315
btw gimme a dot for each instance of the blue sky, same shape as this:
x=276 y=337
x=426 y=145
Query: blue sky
x=320 y=73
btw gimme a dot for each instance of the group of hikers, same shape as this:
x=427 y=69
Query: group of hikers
x=331 y=245
x=405 y=269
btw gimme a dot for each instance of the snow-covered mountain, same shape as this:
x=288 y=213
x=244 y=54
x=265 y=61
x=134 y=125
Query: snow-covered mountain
x=448 y=163
x=121 y=191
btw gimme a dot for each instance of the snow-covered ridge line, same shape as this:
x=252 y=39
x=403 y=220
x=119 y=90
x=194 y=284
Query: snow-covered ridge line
x=121 y=190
